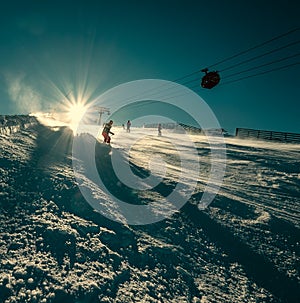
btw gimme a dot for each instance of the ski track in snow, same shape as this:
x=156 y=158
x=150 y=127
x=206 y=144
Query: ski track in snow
x=55 y=248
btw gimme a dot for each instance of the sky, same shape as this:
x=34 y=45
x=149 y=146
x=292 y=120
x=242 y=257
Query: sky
x=53 y=49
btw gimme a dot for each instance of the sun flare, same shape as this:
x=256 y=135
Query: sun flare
x=75 y=113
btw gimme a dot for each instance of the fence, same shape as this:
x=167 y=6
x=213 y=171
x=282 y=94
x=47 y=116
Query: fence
x=267 y=135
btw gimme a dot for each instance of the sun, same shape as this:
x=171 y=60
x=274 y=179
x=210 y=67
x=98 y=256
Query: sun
x=75 y=112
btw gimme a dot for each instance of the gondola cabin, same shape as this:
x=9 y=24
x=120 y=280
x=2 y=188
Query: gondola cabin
x=210 y=79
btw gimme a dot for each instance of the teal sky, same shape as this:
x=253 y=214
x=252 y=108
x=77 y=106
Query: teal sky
x=52 y=48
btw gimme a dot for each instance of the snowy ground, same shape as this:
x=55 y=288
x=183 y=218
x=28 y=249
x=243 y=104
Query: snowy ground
x=55 y=248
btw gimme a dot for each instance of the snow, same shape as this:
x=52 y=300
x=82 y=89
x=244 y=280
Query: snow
x=16 y=123
x=54 y=246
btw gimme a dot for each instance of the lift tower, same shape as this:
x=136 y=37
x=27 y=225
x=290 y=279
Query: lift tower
x=101 y=110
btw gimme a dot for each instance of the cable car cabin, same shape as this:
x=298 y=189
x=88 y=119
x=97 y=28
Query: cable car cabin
x=210 y=79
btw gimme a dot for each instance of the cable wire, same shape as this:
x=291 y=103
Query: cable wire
x=240 y=53
x=259 y=66
x=255 y=47
x=164 y=86
x=244 y=71
x=261 y=73
x=261 y=55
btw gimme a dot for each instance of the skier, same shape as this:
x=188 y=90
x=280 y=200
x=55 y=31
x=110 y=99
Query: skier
x=159 y=129
x=106 y=131
x=128 y=126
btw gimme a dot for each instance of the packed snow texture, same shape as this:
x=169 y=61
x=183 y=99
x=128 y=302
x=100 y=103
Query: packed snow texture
x=55 y=248
x=12 y=124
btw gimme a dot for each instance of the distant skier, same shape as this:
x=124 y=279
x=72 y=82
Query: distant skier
x=159 y=128
x=128 y=126
x=106 y=131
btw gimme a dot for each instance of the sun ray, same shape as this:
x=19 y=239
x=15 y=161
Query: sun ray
x=75 y=111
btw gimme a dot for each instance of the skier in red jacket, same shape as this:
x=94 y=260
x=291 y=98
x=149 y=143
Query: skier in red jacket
x=106 y=131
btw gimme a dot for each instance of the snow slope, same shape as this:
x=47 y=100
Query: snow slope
x=55 y=248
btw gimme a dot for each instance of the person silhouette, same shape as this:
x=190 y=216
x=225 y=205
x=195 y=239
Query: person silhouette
x=106 y=131
x=128 y=126
x=159 y=128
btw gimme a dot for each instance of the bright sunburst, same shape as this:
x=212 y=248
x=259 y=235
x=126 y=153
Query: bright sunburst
x=75 y=112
